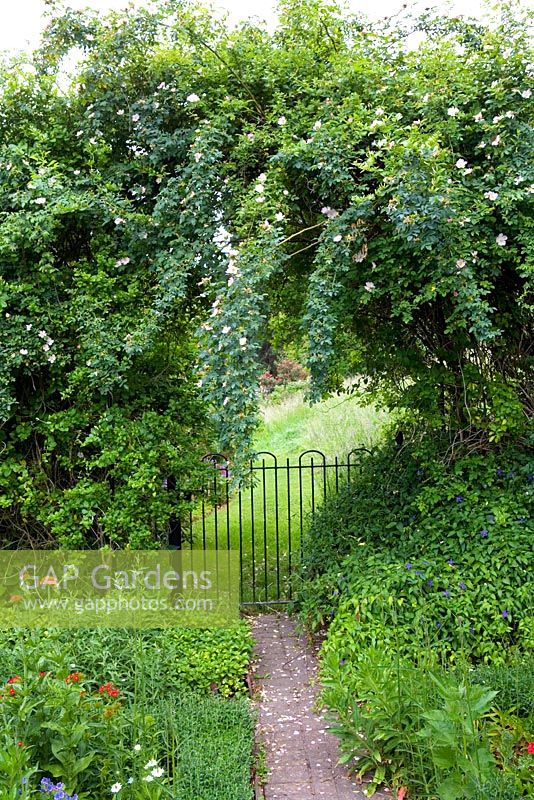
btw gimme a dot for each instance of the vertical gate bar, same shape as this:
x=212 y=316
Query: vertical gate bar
x=290 y=574
x=348 y=469
x=263 y=477
x=227 y=498
x=216 y=520
x=191 y=526
x=312 y=486
x=240 y=506
x=324 y=480
x=203 y=520
x=337 y=476
x=253 y=553
x=277 y=530
x=300 y=507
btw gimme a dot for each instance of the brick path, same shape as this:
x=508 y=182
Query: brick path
x=301 y=753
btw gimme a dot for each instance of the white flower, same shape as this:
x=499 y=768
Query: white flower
x=250 y=137
x=137 y=747
x=337 y=238
x=501 y=239
x=42 y=334
x=526 y=94
x=461 y=163
x=151 y=763
x=460 y=263
x=120 y=112
x=518 y=180
x=226 y=329
x=28 y=327
x=317 y=125
x=482 y=144
x=116 y=788
x=119 y=221
x=260 y=199
x=243 y=341
x=369 y=286
x=491 y=195
x=198 y=156
x=285 y=193
x=158 y=772
x=76 y=171
x=232 y=269
x=497 y=119
x=148 y=778
x=40 y=201
x=259 y=188
x=330 y=213
x=192 y=98
x=130 y=780
x=262 y=178
x=453 y=111
x=379 y=112
x=135 y=117
x=52 y=358
x=226 y=401
x=496 y=141
x=510 y=115
x=478 y=117
x=46 y=347
x=279 y=216
x=468 y=171
x=230 y=281
x=162 y=85
x=23 y=351
x=79 y=133
x=281 y=121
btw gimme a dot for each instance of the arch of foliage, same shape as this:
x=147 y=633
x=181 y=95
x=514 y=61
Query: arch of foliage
x=197 y=190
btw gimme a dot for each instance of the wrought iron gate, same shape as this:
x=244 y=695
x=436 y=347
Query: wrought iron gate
x=266 y=519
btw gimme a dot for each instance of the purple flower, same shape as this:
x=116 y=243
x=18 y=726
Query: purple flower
x=484 y=533
x=529 y=477
x=446 y=593
x=505 y=614
x=511 y=474
x=462 y=585
x=450 y=562
x=408 y=566
x=430 y=582
x=500 y=473
x=459 y=498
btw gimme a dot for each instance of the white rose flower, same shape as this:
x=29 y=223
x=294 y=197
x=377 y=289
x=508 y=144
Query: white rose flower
x=317 y=125
x=460 y=263
x=461 y=163
x=337 y=237
x=501 y=239
x=478 y=117
x=491 y=195
x=281 y=121
x=369 y=286
x=453 y=111
x=526 y=94
x=116 y=788
x=192 y=98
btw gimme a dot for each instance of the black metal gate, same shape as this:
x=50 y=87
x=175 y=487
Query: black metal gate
x=266 y=519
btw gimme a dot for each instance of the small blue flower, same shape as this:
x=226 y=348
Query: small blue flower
x=459 y=498
x=530 y=477
x=342 y=662
x=430 y=582
x=511 y=474
x=462 y=585
x=450 y=562
x=446 y=593
x=500 y=473
x=484 y=533
x=505 y=614
x=408 y=565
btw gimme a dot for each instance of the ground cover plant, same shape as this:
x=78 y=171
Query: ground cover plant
x=421 y=572
x=147 y=714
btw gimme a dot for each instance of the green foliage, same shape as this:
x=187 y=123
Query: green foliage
x=210 y=660
x=91 y=708
x=418 y=553
x=322 y=180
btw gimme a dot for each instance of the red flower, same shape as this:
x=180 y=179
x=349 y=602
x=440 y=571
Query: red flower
x=14 y=679
x=74 y=677
x=12 y=691
x=42 y=674
x=109 y=689
x=20 y=744
x=531 y=747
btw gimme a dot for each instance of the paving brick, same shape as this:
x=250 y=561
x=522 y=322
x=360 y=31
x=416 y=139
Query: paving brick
x=301 y=752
